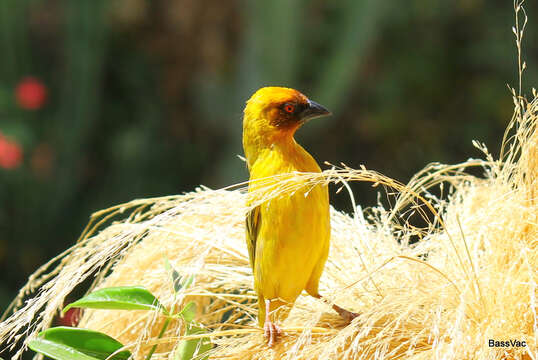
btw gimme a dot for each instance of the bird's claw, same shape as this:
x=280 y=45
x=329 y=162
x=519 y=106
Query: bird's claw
x=271 y=331
x=347 y=315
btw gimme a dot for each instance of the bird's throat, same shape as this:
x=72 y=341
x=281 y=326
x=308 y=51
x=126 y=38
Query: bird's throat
x=257 y=146
x=257 y=141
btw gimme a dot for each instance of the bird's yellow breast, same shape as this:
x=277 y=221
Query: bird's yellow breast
x=294 y=232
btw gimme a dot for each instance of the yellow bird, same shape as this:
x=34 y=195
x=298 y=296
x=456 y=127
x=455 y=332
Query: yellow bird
x=287 y=237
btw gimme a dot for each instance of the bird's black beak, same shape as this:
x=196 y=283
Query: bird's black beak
x=313 y=110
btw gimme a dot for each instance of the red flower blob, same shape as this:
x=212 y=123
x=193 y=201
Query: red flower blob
x=30 y=93
x=70 y=318
x=10 y=153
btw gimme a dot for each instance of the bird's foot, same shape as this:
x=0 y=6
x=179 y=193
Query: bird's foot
x=347 y=315
x=271 y=331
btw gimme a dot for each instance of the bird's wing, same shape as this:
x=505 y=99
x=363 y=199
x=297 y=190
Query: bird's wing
x=253 y=222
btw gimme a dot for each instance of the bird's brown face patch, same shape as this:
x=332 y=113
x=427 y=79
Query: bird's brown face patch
x=286 y=115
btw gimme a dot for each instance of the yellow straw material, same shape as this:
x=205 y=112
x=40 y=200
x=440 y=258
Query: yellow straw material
x=471 y=278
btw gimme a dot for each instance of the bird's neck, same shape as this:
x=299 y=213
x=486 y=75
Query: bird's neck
x=256 y=143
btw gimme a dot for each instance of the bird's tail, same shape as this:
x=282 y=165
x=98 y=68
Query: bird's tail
x=261 y=311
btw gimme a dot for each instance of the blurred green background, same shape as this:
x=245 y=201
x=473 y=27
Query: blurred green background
x=104 y=101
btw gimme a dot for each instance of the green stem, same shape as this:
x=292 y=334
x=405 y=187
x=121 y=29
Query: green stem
x=165 y=326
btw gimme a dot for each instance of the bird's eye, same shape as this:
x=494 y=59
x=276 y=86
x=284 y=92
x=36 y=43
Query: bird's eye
x=289 y=108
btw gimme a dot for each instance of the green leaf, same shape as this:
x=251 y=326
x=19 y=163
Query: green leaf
x=176 y=277
x=187 y=349
x=120 y=298
x=188 y=312
x=68 y=343
x=188 y=281
x=57 y=351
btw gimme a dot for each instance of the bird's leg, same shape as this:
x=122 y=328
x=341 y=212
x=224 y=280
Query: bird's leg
x=345 y=314
x=271 y=330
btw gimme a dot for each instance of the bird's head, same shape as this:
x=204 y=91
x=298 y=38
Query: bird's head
x=279 y=112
